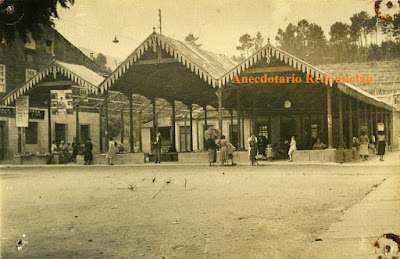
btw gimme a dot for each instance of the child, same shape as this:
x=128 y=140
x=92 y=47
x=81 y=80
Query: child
x=270 y=153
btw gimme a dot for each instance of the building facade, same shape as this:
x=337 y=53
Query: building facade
x=20 y=62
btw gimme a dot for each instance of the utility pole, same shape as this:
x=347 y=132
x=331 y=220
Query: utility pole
x=159 y=18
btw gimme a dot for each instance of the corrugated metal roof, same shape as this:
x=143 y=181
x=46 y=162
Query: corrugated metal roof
x=79 y=74
x=208 y=66
x=83 y=72
x=214 y=64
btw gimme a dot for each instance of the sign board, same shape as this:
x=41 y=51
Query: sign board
x=61 y=102
x=22 y=112
x=381 y=127
x=314 y=130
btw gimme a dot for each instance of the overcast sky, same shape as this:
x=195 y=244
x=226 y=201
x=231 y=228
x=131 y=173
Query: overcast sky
x=219 y=23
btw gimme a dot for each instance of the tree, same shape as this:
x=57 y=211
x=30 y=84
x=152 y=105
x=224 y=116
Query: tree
x=258 y=42
x=246 y=43
x=101 y=60
x=316 y=44
x=340 y=39
x=32 y=14
x=392 y=29
x=238 y=58
x=358 y=27
x=305 y=40
x=191 y=39
x=286 y=39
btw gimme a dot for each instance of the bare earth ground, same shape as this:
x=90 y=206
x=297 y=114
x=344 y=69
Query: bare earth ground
x=229 y=212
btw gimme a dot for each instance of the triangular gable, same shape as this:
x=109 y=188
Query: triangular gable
x=270 y=51
x=208 y=66
x=79 y=74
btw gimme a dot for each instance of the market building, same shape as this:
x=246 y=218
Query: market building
x=172 y=75
x=335 y=112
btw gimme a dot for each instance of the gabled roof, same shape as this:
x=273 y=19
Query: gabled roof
x=208 y=66
x=269 y=51
x=79 y=74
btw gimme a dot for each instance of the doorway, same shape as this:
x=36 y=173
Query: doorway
x=61 y=132
x=2 y=140
x=287 y=129
x=85 y=133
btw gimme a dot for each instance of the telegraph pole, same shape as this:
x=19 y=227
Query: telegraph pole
x=159 y=18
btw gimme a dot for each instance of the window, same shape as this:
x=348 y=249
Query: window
x=263 y=130
x=2 y=78
x=29 y=58
x=29 y=73
x=31 y=133
x=31 y=44
x=49 y=44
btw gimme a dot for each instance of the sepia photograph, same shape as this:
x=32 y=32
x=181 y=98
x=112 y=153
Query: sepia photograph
x=200 y=129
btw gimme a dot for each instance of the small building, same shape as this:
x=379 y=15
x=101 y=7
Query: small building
x=58 y=96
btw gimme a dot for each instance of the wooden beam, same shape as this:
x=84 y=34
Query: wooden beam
x=264 y=70
x=329 y=113
x=191 y=127
x=341 y=139
x=55 y=83
x=131 y=140
x=156 y=61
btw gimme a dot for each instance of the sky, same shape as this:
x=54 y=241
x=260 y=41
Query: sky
x=93 y=24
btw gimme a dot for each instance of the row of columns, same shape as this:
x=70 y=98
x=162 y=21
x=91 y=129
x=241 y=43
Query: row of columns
x=385 y=117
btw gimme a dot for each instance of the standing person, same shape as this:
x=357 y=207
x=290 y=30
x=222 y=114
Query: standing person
x=62 y=149
x=230 y=149
x=270 y=153
x=381 y=145
x=212 y=151
x=364 y=141
x=111 y=151
x=292 y=148
x=223 y=145
x=252 y=141
x=75 y=150
x=88 y=155
x=157 y=148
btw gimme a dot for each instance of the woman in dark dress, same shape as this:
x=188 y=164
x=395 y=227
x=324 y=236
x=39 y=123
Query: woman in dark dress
x=87 y=153
x=252 y=141
x=212 y=151
x=381 y=145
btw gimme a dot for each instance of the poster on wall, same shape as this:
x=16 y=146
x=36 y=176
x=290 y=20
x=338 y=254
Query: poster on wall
x=22 y=112
x=61 y=102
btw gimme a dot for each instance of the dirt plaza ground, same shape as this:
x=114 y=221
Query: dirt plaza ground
x=178 y=211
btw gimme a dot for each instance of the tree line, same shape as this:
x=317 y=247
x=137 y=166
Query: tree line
x=365 y=39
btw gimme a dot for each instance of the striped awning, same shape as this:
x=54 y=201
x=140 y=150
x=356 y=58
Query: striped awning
x=78 y=74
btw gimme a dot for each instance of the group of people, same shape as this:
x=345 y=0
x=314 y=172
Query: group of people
x=68 y=152
x=363 y=144
x=226 y=151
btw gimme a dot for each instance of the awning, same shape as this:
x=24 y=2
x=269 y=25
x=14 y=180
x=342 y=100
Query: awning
x=78 y=74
